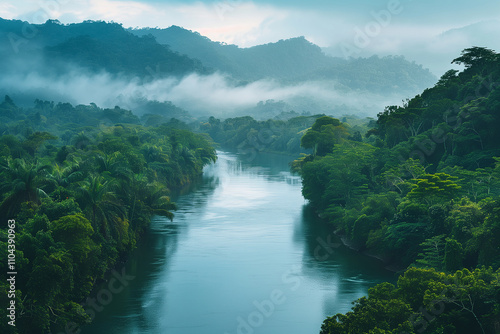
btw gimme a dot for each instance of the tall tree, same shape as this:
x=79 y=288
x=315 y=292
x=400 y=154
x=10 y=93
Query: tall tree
x=323 y=135
x=433 y=188
x=101 y=205
x=23 y=182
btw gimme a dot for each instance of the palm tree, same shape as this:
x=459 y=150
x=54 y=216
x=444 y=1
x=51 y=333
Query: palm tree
x=81 y=141
x=136 y=191
x=150 y=198
x=187 y=160
x=158 y=202
x=65 y=175
x=101 y=205
x=113 y=165
x=154 y=153
x=22 y=182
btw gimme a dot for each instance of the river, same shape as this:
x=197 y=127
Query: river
x=244 y=254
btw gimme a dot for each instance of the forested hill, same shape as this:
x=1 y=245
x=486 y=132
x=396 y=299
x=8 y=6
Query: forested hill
x=101 y=46
x=131 y=68
x=294 y=59
x=284 y=59
x=98 y=46
x=421 y=191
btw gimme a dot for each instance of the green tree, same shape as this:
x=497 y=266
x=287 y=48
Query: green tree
x=350 y=172
x=476 y=57
x=471 y=293
x=486 y=237
x=453 y=255
x=101 y=205
x=112 y=165
x=323 y=135
x=464 y=217
x=22 y=182
x=51 y=281
x=36 y=140
x=448 y=77
x=75 y=232
x=380 y=312
x=433 y=253
x=434 y=188
x=399 y=177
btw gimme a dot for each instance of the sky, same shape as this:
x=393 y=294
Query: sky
x=430 y=32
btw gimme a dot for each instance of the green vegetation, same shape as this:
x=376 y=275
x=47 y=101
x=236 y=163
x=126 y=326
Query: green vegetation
x=249 y=136
x=425 y=301
x=96 y=46
x=82 y=184
x=421 y=192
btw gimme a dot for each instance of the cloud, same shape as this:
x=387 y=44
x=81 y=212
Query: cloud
x=201 y=95
x=243 y=23
x=434 y=46
x=6 y=9
x=118 y=11
x=240 y=22
x=437 y=49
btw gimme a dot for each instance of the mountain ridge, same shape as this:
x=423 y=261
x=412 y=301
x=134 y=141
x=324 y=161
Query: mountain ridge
x=291 y=60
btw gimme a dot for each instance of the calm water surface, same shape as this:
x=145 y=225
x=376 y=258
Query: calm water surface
x=244 y=254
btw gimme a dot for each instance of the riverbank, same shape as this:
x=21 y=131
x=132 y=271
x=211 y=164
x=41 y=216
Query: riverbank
x=347 y=242
x=240 y=235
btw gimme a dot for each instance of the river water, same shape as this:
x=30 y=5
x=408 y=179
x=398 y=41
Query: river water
x=244 y=254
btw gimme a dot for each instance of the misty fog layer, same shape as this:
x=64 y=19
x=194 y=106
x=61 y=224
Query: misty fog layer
x=105 y=64
x=201 y=95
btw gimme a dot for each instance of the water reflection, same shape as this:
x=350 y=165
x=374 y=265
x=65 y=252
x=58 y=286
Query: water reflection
x=344 y=273
x=242 y=234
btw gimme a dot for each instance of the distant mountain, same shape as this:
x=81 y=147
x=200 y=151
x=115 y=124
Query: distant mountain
x=285 y=59
x=378 y=75
x=480 y=34
x=176 y=51
x=213 y=54
x=445 y=46
x=295 y=60
x=437 y=51
x=96 y=46
x=144 y=69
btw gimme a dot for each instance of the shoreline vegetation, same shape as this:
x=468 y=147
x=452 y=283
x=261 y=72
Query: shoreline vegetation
x=421 y=192
x=82 y=192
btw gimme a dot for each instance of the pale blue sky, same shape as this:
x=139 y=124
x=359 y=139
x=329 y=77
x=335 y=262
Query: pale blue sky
x=414 y=28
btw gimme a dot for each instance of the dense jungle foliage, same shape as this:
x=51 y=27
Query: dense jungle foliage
x=249 y=137
x=82 y=184
x=421 y=192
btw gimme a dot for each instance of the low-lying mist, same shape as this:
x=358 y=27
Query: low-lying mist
x=201 y=95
